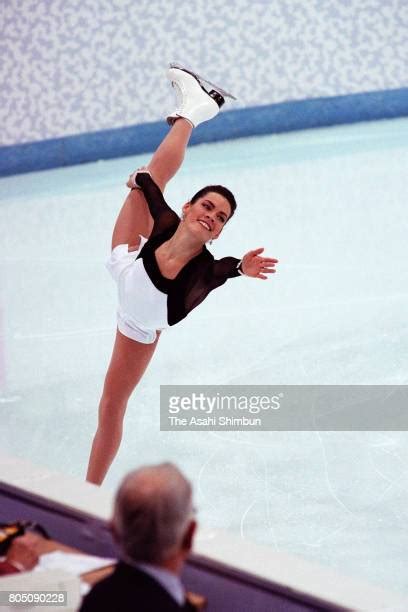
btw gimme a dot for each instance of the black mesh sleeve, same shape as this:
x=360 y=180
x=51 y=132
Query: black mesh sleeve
x=225 y=268
x=206 y=275
x=154 y=197
x=163 y=216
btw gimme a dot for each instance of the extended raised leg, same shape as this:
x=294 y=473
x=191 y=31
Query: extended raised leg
x=196 y=105
x=134 y=218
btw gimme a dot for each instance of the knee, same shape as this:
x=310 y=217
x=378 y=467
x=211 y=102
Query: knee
x=111 y=411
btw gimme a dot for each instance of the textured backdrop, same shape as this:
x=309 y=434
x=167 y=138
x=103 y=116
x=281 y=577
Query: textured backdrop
x=69 y=67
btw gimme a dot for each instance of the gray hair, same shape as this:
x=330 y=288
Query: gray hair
x=153 y=507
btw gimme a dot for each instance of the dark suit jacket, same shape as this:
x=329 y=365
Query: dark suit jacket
x=130 y=590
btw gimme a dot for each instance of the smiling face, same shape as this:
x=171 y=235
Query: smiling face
x=208 y=215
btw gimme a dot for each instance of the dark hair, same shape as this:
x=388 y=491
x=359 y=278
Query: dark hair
x=223 y=191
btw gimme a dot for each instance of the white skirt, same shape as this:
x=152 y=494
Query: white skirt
x=142 y=307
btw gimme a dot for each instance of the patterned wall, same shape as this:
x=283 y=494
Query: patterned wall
x=72 y=66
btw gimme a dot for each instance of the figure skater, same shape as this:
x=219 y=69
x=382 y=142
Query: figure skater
x=160 y=262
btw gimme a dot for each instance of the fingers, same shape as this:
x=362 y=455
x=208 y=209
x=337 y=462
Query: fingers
x=255 y=252
x=143 y=169
x=131 y=182
x=258 y=267
x=263 y=272
x=266 y=266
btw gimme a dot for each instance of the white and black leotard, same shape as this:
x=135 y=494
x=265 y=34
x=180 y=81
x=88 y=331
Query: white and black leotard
x=198 y=277
x=147 y=300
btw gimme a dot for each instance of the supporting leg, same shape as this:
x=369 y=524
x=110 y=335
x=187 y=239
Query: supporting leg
x=128 y=364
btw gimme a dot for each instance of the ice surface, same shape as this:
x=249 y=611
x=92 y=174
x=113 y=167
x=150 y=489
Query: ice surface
x=331 y=205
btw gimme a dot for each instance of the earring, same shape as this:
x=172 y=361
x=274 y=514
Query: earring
x=183 y=216
x=210 y=242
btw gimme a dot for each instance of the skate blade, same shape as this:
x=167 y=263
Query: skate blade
x=201 y=79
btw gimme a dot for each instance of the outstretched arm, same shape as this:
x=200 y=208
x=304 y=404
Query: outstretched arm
x=252 y=264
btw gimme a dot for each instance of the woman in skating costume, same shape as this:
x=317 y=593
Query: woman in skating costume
x=160 y=262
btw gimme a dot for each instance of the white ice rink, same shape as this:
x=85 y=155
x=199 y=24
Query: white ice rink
x=332 y=206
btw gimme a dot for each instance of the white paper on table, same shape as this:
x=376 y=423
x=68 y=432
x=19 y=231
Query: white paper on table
x=46 y=580
x=73 y=563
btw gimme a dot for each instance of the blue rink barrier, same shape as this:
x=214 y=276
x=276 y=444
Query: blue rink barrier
x=253 y=121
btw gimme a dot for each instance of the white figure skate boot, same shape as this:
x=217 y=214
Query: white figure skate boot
x=198 y=99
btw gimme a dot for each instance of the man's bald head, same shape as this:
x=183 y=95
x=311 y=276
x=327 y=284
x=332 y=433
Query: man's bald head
x=153 y=509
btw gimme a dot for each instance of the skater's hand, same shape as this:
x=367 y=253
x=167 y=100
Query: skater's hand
x=131 y=183
x=256 y=266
